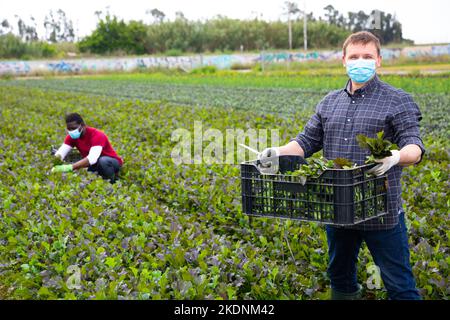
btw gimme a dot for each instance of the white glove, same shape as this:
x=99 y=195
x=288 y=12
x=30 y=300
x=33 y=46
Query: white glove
x=269 y=159
x=385 y=164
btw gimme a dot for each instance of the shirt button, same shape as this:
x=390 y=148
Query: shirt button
x=363 y=96
x=348 y=120
x=345 y=139
x=353 y=101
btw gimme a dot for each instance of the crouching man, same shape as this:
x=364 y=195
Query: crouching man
x=97 y=153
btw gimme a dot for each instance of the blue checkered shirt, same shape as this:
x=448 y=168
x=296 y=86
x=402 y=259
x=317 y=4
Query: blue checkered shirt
x=377 y=106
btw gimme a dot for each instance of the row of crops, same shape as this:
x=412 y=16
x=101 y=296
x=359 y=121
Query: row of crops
x=167 y=231
x=283 y=100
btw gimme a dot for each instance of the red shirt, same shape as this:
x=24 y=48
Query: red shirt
x=90 y=138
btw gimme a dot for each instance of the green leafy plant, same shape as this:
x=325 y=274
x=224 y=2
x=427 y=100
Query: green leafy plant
x=379 y=148
x=165 y=231
x=57 y=161
x=313 y=169
x=343 y=163
x=317 y=166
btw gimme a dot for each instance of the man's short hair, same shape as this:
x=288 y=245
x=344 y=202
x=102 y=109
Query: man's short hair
x=363 y=37
x=74 y=117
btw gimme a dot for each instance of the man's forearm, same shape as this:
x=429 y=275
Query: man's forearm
x=292 y=148
x=410 y=154
x=83 y=163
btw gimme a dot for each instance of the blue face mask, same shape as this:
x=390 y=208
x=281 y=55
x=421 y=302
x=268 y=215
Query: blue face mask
x=75 y=134
x=361 y=70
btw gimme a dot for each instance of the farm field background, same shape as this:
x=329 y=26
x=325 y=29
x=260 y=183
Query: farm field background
x=166 y=231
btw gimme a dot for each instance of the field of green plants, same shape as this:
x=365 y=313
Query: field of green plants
x=167 y=231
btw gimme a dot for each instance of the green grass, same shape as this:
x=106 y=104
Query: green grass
x=416 y=84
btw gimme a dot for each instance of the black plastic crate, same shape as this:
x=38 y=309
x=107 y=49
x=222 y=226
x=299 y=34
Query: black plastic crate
x=338 y=197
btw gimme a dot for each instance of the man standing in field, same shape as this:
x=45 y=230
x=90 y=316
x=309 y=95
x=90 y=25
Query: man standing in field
x=366 y=105
x=93 y=145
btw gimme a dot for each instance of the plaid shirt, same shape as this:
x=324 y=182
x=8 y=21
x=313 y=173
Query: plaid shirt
x=377 y=106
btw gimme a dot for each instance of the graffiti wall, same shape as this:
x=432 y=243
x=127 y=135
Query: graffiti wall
x=191 y=62
x=389 y=53
x=15 y=68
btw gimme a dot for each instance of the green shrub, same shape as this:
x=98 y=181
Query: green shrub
x=204 y=70
x=13 y=47
x=6 y=76
x=112 y=35
x=241 y=66
x=173 y=53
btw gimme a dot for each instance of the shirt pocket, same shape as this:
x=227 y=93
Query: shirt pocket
x=333 y=123
x=370 y=125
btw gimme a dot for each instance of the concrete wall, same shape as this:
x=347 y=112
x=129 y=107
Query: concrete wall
x=191 y=62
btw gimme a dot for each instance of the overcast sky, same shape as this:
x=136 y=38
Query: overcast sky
x=422 y=21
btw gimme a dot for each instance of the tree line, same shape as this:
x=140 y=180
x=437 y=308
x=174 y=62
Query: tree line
x=181 y=35
x=21 y=39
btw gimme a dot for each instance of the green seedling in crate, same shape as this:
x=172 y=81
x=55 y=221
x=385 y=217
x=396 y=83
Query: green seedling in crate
x=313 y=170
x=343 y=163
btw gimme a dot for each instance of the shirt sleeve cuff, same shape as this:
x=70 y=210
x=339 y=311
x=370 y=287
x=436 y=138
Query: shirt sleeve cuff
x=63 y=150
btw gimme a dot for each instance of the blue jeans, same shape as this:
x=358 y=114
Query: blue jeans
x=390 y=252
x=107 y=168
